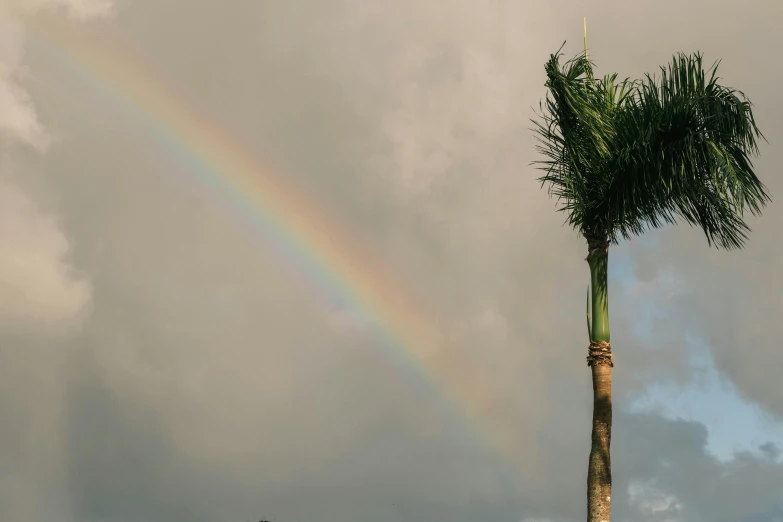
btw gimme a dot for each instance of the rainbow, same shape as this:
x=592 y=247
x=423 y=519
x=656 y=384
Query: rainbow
x=308 y=242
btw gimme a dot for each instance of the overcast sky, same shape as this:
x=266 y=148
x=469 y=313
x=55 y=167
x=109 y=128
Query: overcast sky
x=161 y=360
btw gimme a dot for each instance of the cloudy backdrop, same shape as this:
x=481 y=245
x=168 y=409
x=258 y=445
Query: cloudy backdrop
x=160 y=362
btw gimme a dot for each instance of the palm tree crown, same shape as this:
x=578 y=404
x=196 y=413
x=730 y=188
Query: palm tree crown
x=623 y=157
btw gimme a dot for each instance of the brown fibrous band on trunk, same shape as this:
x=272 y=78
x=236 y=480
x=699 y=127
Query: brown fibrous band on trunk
x=600 y=353
x=596 y=245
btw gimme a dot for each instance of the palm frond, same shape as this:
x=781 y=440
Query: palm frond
x=575 y=132
x=683 y=149
x=623 y=157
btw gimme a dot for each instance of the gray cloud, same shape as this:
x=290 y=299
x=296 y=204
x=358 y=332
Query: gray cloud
x=207 y=385
x=44 y=297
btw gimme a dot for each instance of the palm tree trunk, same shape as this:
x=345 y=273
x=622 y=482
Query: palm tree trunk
x=599 y=471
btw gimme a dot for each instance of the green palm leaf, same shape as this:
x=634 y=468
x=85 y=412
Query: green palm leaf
x=623 y=157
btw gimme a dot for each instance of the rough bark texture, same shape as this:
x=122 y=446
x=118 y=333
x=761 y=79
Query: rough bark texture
x=599 y=471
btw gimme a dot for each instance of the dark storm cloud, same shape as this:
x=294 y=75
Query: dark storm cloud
x=206 y=385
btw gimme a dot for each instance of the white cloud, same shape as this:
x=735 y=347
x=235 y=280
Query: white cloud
x=20 y=122
x=37 y=283
x=650 y=500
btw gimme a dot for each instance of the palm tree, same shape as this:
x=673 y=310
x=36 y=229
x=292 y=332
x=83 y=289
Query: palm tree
x=625 y=157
